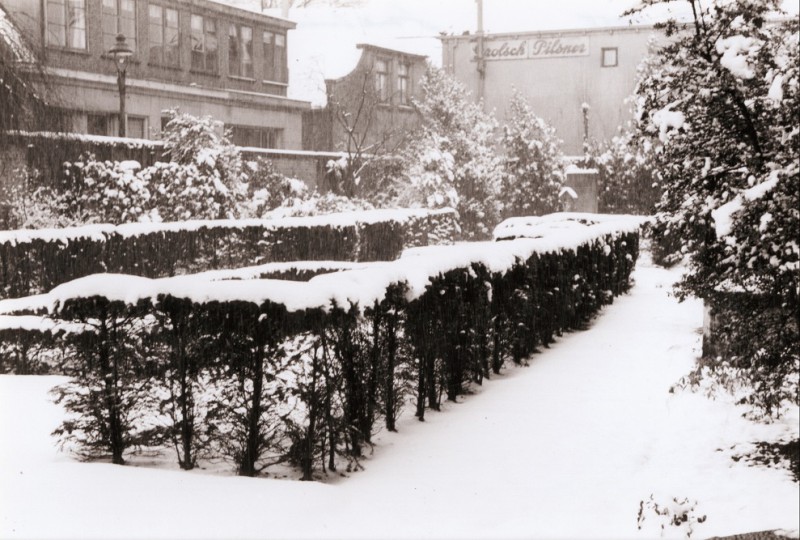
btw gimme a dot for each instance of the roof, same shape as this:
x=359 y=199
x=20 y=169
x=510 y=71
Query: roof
x=247 y=9
x=560 y=31
x=394 y=52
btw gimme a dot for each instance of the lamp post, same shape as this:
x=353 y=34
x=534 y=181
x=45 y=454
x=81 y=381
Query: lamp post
x=121 y=53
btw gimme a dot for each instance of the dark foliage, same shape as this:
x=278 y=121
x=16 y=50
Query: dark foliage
x=257 y=385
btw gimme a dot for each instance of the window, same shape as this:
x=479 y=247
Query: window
x=97 y=124
x=281 y=74
x=164 y=36
x=240 y=51
x=256 y=137
x=274 y=56
x=268 y=42
x=66 y=23
x=609 y=55
x=137 y=127
x=403 y=89
x=119 y=17
x=382 y=80
x=204 y=44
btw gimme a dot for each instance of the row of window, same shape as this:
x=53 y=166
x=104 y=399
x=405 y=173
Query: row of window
x=66 y=27
x=249 y=136
x=403 y=84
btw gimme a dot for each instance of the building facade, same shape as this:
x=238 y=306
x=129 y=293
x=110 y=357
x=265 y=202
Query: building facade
x=203 y=57
x=559 y=72
x=368 y=110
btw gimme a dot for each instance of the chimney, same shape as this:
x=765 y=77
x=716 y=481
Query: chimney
x=285 y=5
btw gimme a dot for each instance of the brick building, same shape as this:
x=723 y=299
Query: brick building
x=202 y=56
x=370 y=108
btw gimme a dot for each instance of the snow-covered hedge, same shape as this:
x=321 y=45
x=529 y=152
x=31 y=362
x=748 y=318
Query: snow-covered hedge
x=260 y=371
x=33 y=261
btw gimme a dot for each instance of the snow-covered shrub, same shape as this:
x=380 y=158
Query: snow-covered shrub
x=719 y=104
x=627 y=181
x=267 y=189
x=533 y=163
x=676 y=514
x=315 y=203
x=247 y=378
x=452 y=162
x=109 y=404
x=33 y=205
x=37 y=261
x=34 y=351
x=274 y=195
x=107 y=191
x=205 y=178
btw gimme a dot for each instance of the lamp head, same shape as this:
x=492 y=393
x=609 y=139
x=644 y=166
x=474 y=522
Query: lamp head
x=121 y=53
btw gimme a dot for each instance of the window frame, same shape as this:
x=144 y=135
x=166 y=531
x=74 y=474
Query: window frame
x=163 y=28
x=603 y=51
x=110 y=38
x=204 y=33
x=382 y=81
x=268 y=137
x=239 y=67
x=63 y=6
x=404 y=83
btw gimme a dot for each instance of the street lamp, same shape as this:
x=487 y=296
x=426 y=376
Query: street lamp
x=121 y=53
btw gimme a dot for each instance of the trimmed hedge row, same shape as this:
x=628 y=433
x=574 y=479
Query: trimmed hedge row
x=35 y=261
x=252 y=373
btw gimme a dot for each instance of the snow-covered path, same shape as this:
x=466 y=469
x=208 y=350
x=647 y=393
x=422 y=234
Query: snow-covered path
x=564 y=448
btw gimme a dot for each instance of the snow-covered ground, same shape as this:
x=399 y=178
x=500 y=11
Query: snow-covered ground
x=567 y=447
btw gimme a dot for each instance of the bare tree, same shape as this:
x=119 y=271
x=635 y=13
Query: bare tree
x=368 y=129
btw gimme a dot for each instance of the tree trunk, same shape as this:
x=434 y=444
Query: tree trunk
x=251 y=453
x=110 y=372
x=391 y=345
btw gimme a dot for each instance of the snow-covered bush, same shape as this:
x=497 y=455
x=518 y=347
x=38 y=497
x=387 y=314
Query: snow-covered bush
x=676 y=514
x=452 y=162
x=627 y=181
x=205 y=178
x=109 y=403
x=41 y=208
x=107 y=191
x=257 y=374
x=533 y=163
x=719 y=104
x=315 y=203
x=267 y=189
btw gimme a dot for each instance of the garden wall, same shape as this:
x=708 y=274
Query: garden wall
x=47 y=152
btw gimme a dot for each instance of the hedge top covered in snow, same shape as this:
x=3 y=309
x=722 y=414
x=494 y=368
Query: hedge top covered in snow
x=362 y=286
x=539 y=226
x=101 y=231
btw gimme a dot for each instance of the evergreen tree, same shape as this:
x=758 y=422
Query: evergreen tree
x=720 y=102
x=453 y=161
x=533 y=163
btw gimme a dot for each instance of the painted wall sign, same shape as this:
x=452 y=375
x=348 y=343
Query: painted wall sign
x=505 y=50
x=533 y=48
